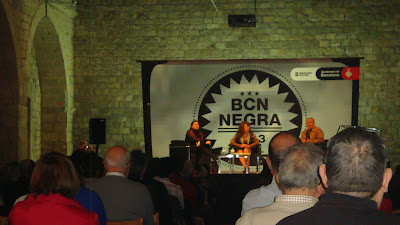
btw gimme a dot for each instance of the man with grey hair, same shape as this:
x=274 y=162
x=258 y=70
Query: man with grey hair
x=123 y=199
x=265 y=195
x=356 y=175
x=299 y=182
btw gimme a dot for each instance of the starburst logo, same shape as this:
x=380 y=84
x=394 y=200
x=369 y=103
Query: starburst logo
x=261 y=99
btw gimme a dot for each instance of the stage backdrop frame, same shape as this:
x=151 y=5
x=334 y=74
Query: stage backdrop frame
x=148 y=67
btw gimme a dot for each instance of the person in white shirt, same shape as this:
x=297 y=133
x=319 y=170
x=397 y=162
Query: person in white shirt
x=265 y=195
x=300 y=184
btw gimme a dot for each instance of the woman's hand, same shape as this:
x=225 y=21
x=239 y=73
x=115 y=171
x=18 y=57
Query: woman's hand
x=208 y=142
x=198 y=144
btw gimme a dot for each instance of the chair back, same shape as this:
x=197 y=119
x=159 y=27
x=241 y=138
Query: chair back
x=135 y=222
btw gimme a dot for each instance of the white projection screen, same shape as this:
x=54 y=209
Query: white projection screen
x=272 y=95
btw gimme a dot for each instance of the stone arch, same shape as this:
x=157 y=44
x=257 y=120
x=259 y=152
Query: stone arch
x=8 y=92
x=61 y=19
x=52 y=81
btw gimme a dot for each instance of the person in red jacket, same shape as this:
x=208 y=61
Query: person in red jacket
x=53 y=184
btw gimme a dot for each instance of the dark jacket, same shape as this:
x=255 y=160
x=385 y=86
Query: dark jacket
x=340 y=209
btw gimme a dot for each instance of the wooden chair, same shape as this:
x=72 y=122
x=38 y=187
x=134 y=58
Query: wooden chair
x=136 y=222
x=3 y=220
x=157 y=218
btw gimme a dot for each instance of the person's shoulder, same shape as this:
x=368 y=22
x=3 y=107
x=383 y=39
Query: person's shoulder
x=245 y=218
x=297 y=218
x=25 y=201
x=256 y=193
x=86 y=191
x=136 y=185
x=313 y=215
x=317 y=128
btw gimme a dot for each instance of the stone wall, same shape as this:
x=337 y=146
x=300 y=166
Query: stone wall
x=34 y=94
x=112 y=35
x=23 y=18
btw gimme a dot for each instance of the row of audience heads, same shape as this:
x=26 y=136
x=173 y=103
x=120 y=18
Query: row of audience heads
x=355 y=162
x=57 y=173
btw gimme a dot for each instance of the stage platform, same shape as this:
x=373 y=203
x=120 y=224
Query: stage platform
x=227 y=191
x=238 y=172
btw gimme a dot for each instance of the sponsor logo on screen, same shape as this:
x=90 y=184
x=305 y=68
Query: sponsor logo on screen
x=330 y=73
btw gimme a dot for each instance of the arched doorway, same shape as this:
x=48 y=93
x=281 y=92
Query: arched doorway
x=8 y=93
x=51 y=71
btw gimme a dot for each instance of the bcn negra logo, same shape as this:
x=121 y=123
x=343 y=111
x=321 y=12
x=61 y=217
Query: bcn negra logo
x=264 y=100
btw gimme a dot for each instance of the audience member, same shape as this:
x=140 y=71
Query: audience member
x=88 y=198
x=123 y=199
x=162 y=171
x=265 y=195
x=188 y=189
x=17 y=184
x=356 y=176
x=394 y=190
x=83 y=149
x=299 y=182
x=53 y=184
x=158 y=191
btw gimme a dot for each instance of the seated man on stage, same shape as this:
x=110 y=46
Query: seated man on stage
x=313 y=133
x=244 y=141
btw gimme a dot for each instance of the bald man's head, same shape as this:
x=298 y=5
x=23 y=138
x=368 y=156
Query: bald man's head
x=280 y=141
x=116 y=159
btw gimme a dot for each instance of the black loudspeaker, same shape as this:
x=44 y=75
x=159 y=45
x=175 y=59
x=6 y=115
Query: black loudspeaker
x=179 y=150
x=97 y=130
x=242 y=20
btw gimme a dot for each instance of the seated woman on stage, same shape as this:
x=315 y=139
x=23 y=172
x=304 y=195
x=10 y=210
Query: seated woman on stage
x=200 y=148
x=244 y=141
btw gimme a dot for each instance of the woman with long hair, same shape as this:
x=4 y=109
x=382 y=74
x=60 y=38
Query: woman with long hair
x=244 y=141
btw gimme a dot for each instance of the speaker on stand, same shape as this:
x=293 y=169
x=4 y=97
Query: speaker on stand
x=97 y=127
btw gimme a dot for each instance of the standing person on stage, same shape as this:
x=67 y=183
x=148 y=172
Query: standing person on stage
x=200 y=149
x=313 y=133
x=244 y=141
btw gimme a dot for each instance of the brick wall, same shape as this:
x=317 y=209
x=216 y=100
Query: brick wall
x=35 y=96
x=23 y=18
x=108 y=78
x=52 y=85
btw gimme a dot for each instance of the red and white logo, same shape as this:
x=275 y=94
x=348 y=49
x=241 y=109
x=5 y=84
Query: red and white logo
x=351 y=73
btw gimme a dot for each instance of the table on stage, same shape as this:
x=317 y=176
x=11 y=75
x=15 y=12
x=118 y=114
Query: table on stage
x=231 y=158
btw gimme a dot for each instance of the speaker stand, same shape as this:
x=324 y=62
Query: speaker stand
x=97 y=149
